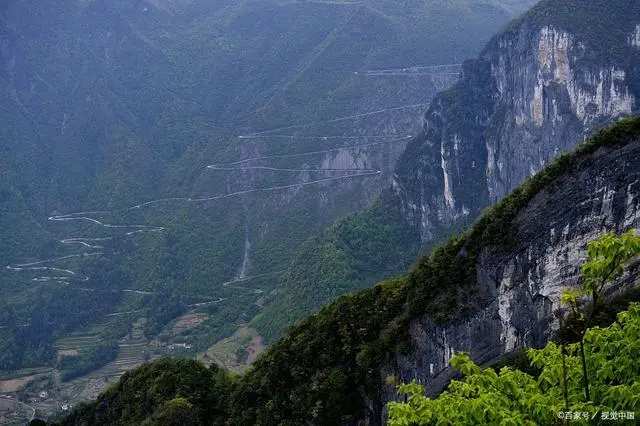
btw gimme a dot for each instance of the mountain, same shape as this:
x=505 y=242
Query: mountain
x=492 y=290
x=539 y=88
x=162 y=158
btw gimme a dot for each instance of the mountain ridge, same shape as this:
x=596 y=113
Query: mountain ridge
x=533 y=93
x=112 y=111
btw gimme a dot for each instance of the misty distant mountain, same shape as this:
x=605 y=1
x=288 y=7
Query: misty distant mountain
x=112 y=111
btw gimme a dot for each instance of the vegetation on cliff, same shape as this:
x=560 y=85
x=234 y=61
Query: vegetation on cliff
x=598 y=375
x=325 y=368
x=513 y=397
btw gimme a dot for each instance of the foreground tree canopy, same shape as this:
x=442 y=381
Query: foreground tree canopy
x=512 y=397
x=593 y=380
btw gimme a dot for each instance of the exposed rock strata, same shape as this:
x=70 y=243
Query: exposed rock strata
x=534 y=93
x=601 y=194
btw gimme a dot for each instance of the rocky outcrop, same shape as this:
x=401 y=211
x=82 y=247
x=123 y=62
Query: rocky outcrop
x=600 y=194
x=537 y=90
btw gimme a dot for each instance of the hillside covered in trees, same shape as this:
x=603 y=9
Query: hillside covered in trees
x=540 y=86
x=327 y=369
x=113 y=111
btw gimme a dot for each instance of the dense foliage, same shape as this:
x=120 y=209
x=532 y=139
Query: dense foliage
x=357 y=251
x=321 y=370
x=28 y=339
x=163 y=391
x=512 y=397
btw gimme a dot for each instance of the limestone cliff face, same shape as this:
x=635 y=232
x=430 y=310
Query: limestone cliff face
x=551 y=99
x=523 y=284
x=536 y=91
x=601 y=194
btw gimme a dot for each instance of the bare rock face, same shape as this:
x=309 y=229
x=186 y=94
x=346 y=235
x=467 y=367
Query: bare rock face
x=536 y=91
x=551 y=101
x=600 y=194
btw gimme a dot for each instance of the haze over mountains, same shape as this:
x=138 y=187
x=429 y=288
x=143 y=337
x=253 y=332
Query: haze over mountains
x=490 y=291
x=112 y=112
x=173 y=173
x=537 y=90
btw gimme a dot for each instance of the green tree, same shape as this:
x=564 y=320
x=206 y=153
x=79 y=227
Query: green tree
x=607 y=257
x=512 y=397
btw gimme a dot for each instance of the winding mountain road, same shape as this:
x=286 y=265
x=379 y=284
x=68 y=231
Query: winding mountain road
x=66 y=276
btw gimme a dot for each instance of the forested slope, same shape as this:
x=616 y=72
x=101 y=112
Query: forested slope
x=112 y=111
x=331 y=368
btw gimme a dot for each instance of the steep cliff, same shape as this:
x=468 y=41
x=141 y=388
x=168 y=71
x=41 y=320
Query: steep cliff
x=539 y=88
x=489 y=291
x=520 y=275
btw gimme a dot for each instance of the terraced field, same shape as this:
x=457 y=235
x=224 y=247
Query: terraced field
x=186 y=322
x=75 y=342
x=13 y=412
x=236 y=352
x=11 y=383
x=134 y=350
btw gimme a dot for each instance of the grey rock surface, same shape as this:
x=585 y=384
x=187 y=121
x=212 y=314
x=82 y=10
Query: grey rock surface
x=524 y=284
x=534 y=93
